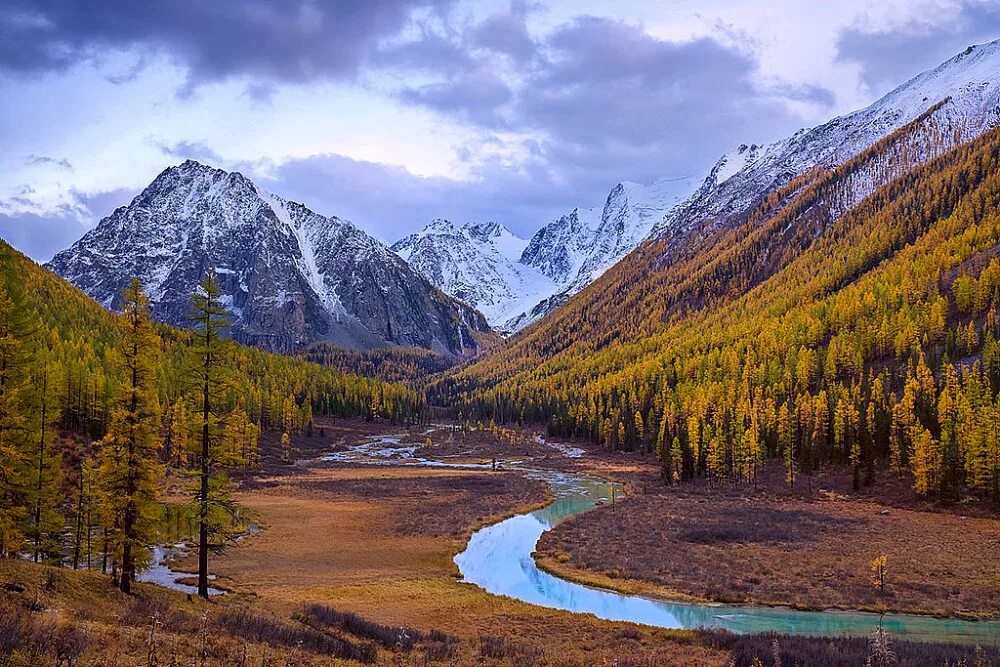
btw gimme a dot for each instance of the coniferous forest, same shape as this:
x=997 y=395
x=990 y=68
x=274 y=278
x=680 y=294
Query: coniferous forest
x=96 y=406
x=516 y=334
x=801 y=335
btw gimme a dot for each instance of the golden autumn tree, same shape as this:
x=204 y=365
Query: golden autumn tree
x=209 y=375
x=129 y=473
x=12 y=424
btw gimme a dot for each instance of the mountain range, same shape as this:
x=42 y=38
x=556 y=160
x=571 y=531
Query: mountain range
x=292 y=276
x=514 y=281
x=289 y=276
x=569 y=253
x=769 y=216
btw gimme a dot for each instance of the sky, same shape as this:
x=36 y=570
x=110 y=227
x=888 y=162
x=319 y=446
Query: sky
x=393 y=112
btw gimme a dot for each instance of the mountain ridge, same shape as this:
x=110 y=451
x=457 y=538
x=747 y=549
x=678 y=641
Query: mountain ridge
x=289 y=275
x=577 y=248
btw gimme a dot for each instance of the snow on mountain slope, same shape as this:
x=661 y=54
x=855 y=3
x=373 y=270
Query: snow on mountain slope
x=574 y=250
x=476 y=263
x=967 y=87
x=513 y=281
x=289 y=276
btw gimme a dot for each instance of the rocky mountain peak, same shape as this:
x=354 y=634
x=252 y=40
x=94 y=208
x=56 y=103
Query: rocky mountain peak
x=290 y=276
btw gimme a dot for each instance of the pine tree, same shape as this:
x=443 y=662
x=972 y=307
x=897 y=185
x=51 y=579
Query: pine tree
x=180 y=433
x=208 y=371
x=130 y=474
x=288 y=415
x=925 y=461
x=949 y=465
x=786 y=442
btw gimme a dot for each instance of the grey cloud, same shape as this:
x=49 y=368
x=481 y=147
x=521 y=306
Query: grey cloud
x=888 y=58
x=45 y=159
x=610 y=99
x=193 y=150
x=272 y=40
x=390 y=201
x=507 y=33
x=42 y=236
x=805 y=93
x=477 y=95
x=431 y=52
x=606 y=100
x=609 y=82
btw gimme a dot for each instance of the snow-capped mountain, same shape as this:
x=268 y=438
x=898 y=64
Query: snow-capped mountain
x=950 y=104
x=478 y=263
x=513 y=281
x=289 y=276
x=953 y=103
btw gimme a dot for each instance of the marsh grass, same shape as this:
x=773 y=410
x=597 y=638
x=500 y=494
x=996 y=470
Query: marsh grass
x=775 y=650
x=514 y=652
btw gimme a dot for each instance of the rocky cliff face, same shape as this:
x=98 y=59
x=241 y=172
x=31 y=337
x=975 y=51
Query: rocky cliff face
x=290 y=276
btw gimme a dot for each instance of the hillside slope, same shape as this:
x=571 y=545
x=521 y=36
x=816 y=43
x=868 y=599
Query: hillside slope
x=64 y=326
x=822 y=327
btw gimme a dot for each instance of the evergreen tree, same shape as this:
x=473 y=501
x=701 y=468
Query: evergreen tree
x=130 y=475
x=210 y=377
x=42 y=472
x=286 y=448
x=12 y=424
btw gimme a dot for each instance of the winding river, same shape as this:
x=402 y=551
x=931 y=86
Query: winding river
x=499 y=560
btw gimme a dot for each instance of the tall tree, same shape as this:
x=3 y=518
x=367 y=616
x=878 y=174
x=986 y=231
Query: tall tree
x=42 y=469
x=12 y=423
x=130 y=474
x=208 y=368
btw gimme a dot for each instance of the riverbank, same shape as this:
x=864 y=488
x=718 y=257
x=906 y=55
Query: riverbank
x=379 y=541
x=769 y=547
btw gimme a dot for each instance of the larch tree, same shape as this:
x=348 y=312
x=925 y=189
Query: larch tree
x=130 y=474
x=12 y=424
x=42 y=471
x=208 y=367
x=180 y=435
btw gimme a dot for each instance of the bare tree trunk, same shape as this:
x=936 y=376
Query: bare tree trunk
x=203 y=500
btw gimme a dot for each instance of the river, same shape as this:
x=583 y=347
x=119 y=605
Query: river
x=498 y=559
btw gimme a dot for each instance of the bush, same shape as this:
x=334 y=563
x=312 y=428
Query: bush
x=436 y=644
x=252 y=627
x=504 y=648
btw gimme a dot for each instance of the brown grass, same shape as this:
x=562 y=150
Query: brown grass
x=739 y=546
x=379 y=542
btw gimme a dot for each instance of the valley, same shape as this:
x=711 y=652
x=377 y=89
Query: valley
x=379 y=540
x=745 y=414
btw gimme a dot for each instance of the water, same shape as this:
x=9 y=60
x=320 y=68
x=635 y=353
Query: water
x=160 y=573
x=498 y=560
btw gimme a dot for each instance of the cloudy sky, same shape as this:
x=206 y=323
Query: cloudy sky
x=392 y=112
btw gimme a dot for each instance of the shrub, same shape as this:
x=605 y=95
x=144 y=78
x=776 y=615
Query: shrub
x=247 y=625
x=744 y=650
x=504 y=648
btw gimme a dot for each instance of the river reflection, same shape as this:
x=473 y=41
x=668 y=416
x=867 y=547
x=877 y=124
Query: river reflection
x=498 y=559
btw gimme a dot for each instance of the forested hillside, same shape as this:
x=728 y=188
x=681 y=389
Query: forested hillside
x=411 y=365
x=849 y=317
x=95 y=405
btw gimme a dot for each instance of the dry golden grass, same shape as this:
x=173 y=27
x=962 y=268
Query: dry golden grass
x=323 y=546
